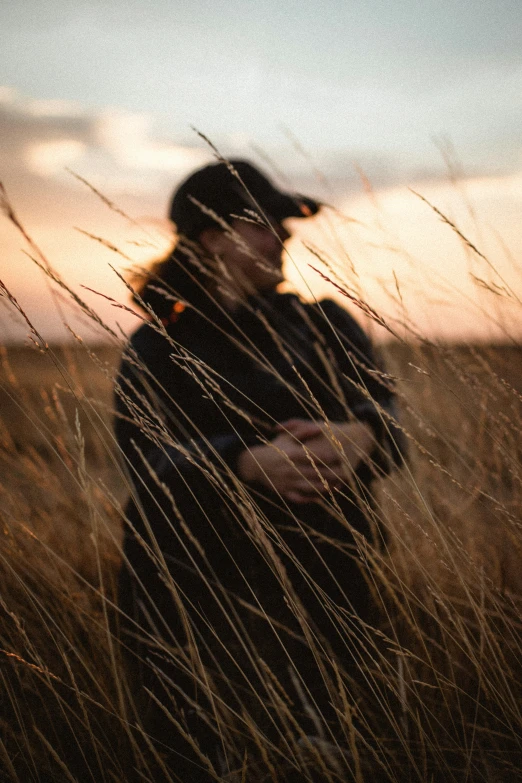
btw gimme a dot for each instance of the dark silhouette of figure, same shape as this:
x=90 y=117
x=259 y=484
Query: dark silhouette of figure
x=253 y=425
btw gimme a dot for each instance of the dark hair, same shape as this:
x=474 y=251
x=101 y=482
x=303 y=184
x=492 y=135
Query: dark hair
x=184 y=275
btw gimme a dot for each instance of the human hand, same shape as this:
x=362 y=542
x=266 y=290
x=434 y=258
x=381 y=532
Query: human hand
x=308 y=457
x=339 y=445
x=288 y=468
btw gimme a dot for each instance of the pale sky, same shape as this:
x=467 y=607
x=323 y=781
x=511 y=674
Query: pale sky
x=114 y=91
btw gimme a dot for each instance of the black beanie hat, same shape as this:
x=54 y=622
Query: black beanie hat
x=230 y=190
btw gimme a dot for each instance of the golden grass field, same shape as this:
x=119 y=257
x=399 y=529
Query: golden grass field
x=436 y=695
x=443 y=697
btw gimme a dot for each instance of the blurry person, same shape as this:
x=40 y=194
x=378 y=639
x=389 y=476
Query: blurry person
x=253 y=425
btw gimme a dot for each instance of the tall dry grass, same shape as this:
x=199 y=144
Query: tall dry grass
x=437 y=691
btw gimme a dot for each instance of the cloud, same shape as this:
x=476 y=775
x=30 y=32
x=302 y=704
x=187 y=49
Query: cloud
x=26 y=134
x=50 y=157
x=389 y=129
x=123 y=154
x=7 y=94
x=378 y=132
x=121 y=151
x=54 y=108
x=43 y=137
x=128 y=138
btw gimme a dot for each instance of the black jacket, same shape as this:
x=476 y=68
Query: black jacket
x=193 y=394
x=218 y=382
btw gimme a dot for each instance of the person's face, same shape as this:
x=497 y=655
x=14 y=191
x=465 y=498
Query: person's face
x=251 y=254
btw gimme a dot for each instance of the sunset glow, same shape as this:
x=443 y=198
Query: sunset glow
x=391 y=249
x=363 y=113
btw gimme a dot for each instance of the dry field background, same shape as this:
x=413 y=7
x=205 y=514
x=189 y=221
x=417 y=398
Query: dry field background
x=444 y=689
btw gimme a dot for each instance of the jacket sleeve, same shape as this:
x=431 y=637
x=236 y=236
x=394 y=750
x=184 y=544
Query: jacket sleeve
x=158 y=410
x=371 y=390
x=182 y=480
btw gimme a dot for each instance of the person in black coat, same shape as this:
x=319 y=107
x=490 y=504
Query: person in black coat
x=252 y=425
